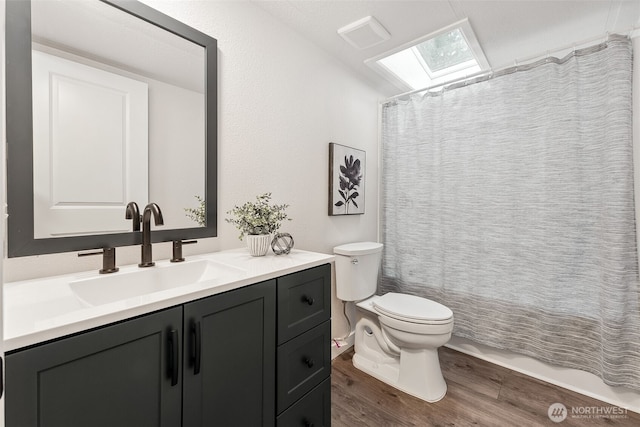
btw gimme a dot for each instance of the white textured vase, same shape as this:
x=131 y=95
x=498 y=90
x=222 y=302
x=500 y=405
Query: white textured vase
x=258 y=244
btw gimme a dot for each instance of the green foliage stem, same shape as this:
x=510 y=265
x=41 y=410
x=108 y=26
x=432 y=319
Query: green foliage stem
x=199 y=214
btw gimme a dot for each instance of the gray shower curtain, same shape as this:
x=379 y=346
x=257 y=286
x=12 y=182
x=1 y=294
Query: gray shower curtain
x=511 y=201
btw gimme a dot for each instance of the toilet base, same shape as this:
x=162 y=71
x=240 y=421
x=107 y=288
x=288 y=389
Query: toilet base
x=415 y=372
x=389 y=373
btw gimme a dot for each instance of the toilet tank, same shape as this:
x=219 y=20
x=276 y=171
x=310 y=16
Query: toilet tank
x=357 y=270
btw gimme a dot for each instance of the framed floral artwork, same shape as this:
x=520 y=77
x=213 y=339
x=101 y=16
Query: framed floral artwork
x=346 y=180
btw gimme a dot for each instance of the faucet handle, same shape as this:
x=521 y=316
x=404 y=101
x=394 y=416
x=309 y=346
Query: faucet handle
x=177 y=249
x=108 y=260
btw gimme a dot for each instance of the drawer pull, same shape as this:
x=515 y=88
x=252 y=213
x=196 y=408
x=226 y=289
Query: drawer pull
x=307 y=423
x=309 y=362
x=308 y=300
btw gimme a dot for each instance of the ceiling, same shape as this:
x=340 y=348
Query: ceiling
x=508 y=30
x=99 y=32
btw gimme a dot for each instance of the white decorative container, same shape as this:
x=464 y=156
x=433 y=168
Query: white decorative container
x=258 y=244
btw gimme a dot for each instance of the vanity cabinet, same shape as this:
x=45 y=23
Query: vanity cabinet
x=258 y=355
x=138 y=372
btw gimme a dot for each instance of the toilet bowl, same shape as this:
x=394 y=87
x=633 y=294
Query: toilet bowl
x=400 y=353
x=397 y=336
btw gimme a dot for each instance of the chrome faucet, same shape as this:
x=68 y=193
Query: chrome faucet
x=147 y=257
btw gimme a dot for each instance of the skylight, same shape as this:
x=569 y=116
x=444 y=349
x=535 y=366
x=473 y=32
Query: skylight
x=446 y=55
x=445 y=51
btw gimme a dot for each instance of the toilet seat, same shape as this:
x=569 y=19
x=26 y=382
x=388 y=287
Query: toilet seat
x=412 y=309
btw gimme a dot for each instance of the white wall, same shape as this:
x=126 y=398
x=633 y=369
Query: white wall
x=281 y=100
x=176 y=157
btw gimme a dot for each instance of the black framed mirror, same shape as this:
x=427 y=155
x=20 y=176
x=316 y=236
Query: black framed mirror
x=23 y=197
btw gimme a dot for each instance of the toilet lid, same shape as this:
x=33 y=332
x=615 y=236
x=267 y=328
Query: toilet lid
x=411 y=308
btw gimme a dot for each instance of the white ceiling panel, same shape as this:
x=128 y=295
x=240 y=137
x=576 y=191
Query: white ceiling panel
x=508 y=30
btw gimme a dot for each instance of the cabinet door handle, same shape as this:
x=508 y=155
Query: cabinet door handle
x=307 y=423
x=173 y=356
x=196 y=349
x=308 y=361
x=308 y=300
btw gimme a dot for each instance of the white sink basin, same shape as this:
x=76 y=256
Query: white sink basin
x=123 y=285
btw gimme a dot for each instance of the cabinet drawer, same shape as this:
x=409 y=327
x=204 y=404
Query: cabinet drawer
x=304 y=301
x=312 y=410
x=303 y=363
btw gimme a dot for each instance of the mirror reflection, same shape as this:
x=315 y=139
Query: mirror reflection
x=118 y=116
x=124 y=108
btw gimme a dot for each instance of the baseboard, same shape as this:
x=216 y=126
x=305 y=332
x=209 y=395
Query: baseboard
x=340 y=345
x=571 y=379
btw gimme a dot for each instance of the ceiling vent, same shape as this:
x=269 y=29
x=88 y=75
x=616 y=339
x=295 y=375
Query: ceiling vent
x=364 y=33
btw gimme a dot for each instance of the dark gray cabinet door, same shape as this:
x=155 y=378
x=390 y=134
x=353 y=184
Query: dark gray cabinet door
x=229 y=368
x=126 y=374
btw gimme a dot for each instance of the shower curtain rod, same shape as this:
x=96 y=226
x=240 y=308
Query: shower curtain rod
x=519 y=65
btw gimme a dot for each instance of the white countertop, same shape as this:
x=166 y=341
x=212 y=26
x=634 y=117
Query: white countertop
x=39 y=310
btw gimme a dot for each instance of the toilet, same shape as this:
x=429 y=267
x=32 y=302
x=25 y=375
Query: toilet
x=396 y=335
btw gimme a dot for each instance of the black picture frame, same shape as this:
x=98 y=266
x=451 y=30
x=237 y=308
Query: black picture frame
x=346 y=180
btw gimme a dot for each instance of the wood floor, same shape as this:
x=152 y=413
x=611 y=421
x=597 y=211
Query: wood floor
x=479 y=394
